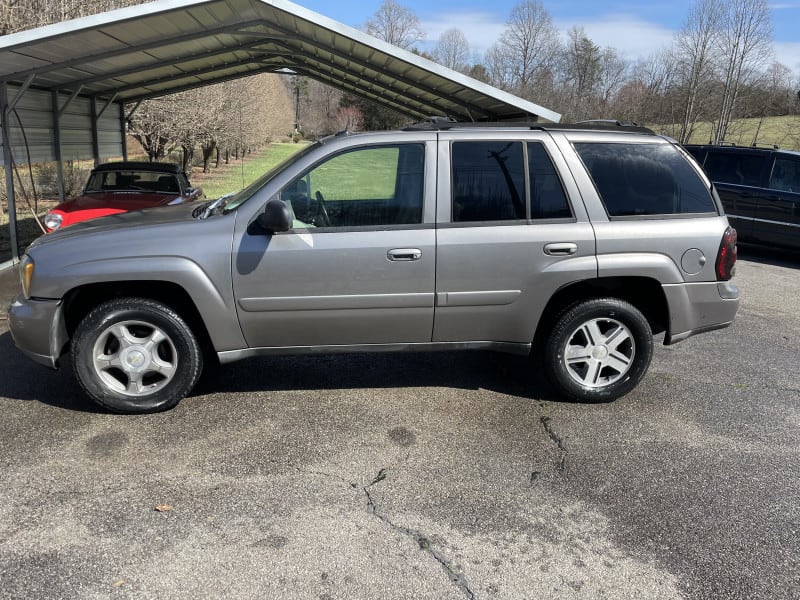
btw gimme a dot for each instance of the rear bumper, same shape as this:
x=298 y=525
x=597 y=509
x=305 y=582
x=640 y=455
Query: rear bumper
x=38 y=329
x=699 y=307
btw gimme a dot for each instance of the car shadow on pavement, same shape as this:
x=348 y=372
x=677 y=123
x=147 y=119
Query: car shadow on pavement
x=501 y=373
x=778 y=257
x=22 y=379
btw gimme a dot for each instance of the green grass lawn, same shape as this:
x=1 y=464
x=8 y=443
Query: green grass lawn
x=234 y=177
x=783 y=132
x=364 y=175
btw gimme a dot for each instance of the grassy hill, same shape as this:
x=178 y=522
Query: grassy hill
x=783 y=132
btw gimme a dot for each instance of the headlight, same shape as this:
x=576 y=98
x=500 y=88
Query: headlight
x=26 y=274
x=53 y=220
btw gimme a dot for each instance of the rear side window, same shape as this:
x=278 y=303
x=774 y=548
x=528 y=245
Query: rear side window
x=738 y=169
x=645 y=179
x=488 y=181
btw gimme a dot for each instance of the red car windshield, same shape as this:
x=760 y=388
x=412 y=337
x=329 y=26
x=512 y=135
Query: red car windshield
x=133 y=181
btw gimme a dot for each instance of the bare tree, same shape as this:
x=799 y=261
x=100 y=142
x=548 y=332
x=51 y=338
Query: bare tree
x=695 y=51
x=745 y=45
x=395 y=24
x=452 y=50
x=526 y=50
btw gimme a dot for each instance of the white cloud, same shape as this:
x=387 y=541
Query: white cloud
x=632 y=37
x=788 y=53
x=481 y=29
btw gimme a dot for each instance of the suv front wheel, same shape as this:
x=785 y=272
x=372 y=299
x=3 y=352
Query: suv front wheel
x=598 y=350
x=135 y=355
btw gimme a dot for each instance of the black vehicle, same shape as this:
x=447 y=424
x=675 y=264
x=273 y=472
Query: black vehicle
x=760 y=189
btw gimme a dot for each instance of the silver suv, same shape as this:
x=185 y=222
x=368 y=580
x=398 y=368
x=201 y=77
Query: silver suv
x=578 y=243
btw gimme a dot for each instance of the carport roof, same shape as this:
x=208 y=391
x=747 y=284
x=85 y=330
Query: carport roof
x=164 y=47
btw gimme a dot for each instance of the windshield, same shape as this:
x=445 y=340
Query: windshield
x=239 y=198
x=133 y=181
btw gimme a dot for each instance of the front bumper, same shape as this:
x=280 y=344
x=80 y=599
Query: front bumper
x=37 y=326
x=698 y=307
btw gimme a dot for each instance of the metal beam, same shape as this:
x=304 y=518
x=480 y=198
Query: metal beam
x=159 y=43
x=69 y=101
x=187 y=74
x=174 y=61
x=18 y=96
x=106 y=105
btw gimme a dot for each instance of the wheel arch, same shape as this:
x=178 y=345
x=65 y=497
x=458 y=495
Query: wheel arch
x=644 y=293
x=79 y=301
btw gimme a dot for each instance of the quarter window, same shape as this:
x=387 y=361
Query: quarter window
x=548 y=200
x=645 y=179
x=785 y=175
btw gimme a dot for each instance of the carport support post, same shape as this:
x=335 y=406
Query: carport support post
x=7 y=158
x=57 y=145
x=95 y=141
x=123 y=131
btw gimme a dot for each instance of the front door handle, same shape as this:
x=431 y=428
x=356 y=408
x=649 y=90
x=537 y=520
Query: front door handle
x=563 y=249
x=404 y=254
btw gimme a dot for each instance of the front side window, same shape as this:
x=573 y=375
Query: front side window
x=375 y=186
x=645 y=179
x=488 y=181
x=786 y=175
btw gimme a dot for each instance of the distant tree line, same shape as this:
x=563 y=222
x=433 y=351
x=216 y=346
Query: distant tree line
x=719 y=67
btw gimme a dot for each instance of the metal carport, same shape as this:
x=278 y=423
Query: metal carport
x=64 y=87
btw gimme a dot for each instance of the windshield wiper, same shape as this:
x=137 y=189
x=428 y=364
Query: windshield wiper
x=215 y=205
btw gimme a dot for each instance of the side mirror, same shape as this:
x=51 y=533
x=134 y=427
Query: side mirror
x=275 y=218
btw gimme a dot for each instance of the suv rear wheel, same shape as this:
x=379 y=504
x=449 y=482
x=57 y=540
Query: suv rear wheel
x=598 y=350
x=135 y=355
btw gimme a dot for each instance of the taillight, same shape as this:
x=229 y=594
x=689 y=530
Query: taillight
x=726 y=257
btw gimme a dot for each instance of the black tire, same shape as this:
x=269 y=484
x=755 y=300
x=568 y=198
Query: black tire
x=598 y=350
x=134 y=355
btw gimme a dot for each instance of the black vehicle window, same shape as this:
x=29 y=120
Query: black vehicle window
x=645 y=179
x=371 y=186
x=548 y=200
x=488 y=181
x=786 y=175
x=736 y=168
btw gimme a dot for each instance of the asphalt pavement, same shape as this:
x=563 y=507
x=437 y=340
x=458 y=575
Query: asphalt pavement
x=419 y=476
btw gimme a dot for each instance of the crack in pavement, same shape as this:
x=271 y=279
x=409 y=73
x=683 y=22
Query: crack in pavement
x=561 y=464
x=456 y=576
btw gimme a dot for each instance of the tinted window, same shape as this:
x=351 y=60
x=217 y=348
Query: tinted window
x=548 y=200
x=379 y=185
x=133 y=181
x=645 y=179
x=785 y=175
x=488 y=181
x=730 y=167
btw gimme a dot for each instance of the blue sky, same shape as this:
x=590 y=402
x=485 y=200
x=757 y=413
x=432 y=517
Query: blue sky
x=634 y=27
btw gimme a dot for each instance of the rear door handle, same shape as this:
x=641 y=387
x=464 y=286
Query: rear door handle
x=562 y=249
x=404 y=254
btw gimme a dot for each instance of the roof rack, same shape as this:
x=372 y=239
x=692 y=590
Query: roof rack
x=446 y=124
x=735 y=145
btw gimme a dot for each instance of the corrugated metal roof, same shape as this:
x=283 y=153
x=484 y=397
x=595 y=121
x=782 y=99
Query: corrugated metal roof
x=164 y=47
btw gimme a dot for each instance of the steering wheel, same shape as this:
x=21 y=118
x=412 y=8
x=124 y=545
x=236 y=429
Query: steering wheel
x=322 y=212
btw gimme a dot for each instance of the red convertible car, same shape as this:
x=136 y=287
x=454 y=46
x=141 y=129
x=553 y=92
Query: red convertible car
x=122 y=187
